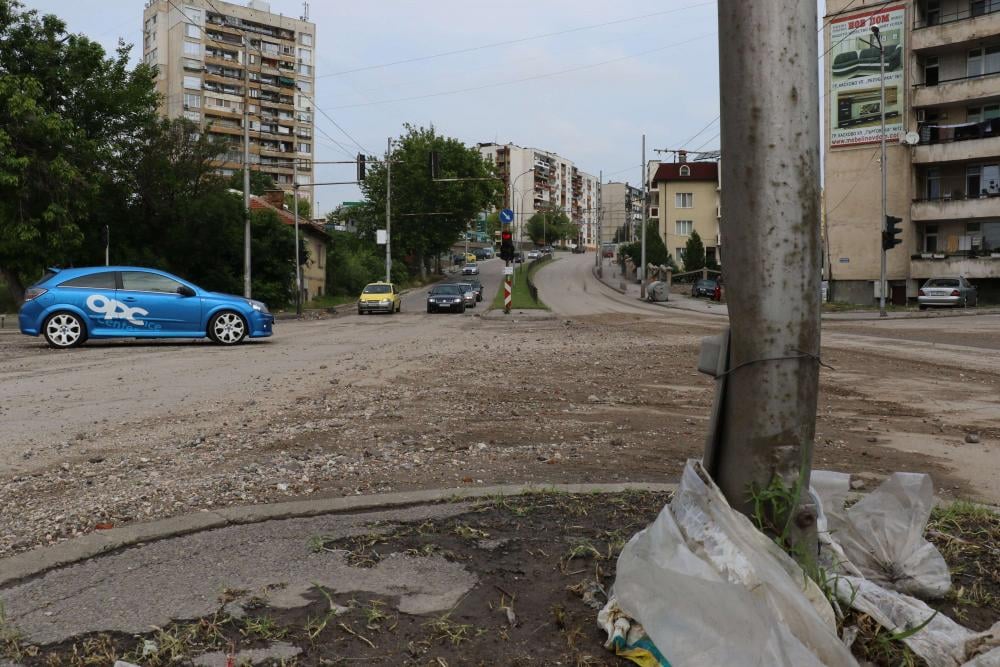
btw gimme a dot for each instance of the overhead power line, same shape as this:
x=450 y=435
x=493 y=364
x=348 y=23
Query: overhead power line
x=535 y=77
x=520 y=40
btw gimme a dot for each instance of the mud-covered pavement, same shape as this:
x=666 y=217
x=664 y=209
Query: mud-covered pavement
x=114 y=433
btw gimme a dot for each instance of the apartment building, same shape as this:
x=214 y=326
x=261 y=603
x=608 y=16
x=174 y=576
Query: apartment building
x=537 y=180
x=684 y=197
x=943 y=156
x=222 y=64
x=621 y=212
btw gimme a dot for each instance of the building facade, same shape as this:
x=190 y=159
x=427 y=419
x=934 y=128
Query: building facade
x=313 y=235
x=537 y=180
x=942 y=114
x=684 y=197
x=621 y=212
x=222 y=65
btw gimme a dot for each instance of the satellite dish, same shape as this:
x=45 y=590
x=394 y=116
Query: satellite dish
x=911 y=138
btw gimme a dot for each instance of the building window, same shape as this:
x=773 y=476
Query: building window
x=933 y=183
x=305 y=55
x=984 y=61
x=979 y=114
x=654 y=213
x=930 y=238
x=192 y=65
x=192 y=82
x=931 y=71
x=151 y=57
x=685 y=170
x=193 y=14
x=192 y=49
x=192 y=115
x=305 y=39
x=306 y=69
x=192 y=31
x=683 y=227
x=305 y=86
x=305 y=148
x=684 y=200
x=679 y=253
x=192 y=101
x=933 y=14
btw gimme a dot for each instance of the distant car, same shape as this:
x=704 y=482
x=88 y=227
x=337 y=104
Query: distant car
x=480 y=254
x=477 y=287
x=379 y=297
x=534 y=254
x=469 y=294
x=446 y=297
x=489 y=252
x=547 y=250
x=70 y=306
x=579 y=249
x=704 y=287
x=470 y=269
x=947 y=292
x=469 y=257
x=518 y=257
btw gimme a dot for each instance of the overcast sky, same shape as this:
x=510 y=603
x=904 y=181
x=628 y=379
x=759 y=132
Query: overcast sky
x=619 y=69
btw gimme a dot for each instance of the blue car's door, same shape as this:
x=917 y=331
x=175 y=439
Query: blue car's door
x=94 y=294
x=156 y=307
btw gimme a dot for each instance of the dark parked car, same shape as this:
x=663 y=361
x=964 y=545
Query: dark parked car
x=518 y=257
x=704 y=287
x=446 y=297
x=477 y=287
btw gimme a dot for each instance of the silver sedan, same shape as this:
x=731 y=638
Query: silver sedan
x=947 y=292
x=468 y=294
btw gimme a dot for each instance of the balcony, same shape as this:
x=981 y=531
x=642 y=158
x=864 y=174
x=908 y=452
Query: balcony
x=957 y=91
x=941 y=265
x=936 y=210
x=957 y=29
x=955 y=151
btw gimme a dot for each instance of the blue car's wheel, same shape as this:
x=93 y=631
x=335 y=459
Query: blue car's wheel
x=227 y=328
x=64 y=330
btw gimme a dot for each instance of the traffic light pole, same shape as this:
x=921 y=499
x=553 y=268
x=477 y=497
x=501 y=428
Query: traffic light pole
x=882 y=285
x=642 y=229
x=388 y=210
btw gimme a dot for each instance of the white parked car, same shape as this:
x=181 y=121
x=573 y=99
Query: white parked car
x=534 y=254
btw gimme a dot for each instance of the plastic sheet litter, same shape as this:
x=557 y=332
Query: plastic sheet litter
x=882 y=535
x=701 y=586
x=710 y=589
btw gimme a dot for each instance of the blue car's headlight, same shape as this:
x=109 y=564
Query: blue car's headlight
x=259 y=306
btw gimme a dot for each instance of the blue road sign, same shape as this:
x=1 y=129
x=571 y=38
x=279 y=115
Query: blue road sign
x=506 y=216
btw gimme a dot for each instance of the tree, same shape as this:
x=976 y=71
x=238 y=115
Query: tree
x=656 y=250
x=550 y=226
x=492 y=225
x=694 y=253
x=305 y=208
x=70 y=119
x=259 y=182
x=428 y=217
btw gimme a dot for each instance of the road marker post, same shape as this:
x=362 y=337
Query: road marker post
x=508 y=273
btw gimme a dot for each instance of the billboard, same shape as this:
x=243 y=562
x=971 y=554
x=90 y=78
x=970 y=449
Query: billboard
x=853 y=59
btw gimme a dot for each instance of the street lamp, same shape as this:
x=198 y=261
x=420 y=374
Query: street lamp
x=513 y=184
x=881 y=107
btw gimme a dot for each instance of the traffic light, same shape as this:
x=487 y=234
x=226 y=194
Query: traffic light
x=892 y=231
x=435 y=164
x=105 y=236
x=361 y=167
x=506 y=245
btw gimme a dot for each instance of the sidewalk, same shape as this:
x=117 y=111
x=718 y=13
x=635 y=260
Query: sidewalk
x=437 y=572
x=612 y=279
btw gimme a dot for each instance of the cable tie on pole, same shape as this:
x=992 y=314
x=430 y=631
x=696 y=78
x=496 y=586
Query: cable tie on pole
x=800 y=355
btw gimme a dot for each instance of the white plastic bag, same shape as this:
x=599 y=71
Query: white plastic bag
x=882 y=535
x=710 y=589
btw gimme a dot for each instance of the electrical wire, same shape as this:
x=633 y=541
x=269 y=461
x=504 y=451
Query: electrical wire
x=515 y=41
x=523 y=79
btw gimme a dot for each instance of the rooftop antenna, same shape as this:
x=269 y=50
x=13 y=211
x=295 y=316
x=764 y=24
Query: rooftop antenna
x=305 y=11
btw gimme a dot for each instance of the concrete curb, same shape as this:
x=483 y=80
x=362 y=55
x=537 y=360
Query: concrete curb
x=593 y=271
x=42 y=559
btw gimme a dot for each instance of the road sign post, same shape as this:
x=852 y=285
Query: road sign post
x=508 y=274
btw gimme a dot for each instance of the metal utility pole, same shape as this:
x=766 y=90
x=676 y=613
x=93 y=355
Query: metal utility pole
x=246 y=177
x=882 y=285
x=298 y=264
x=642 y=231
x=388 y=210
x=771 y=218
x=600 y=217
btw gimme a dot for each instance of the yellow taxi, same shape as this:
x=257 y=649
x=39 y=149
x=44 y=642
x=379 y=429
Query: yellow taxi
x=379 y=297
x=469 y=257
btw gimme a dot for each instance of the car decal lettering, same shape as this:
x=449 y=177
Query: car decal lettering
x=112 y=309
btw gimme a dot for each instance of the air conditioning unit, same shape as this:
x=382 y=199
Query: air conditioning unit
x=921 y=115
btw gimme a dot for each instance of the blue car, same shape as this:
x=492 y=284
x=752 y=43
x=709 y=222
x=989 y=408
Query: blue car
x=69 y=306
